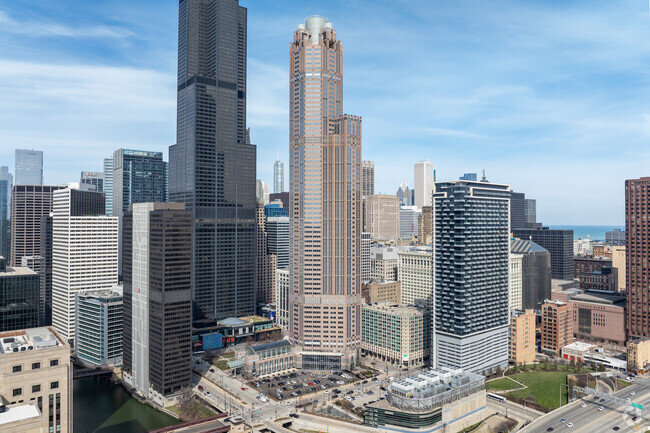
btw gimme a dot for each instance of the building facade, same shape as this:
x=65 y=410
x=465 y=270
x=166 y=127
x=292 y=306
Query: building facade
x=424 y=177
x=157 y=304
x=365 y=256
x=108 y=185
x=325 y=203
x=559 y=244
x=35 y=382
x=618 y=262
x=6 y=185
x=637 y=244
x=45 y=272
x=382 y=217
x=139 y=176
x=582 y=265
x=94 y=178
x=367 y=178
x=98 y=327
x=535 y=273
x=278 y=177
x=382 y=291
x=212 y=172
x=404 y=194
x=19 y=296
x=615 y=238
x=521 y=337
x=425 y=226
x=277 y=230
x=408 y=221
x=266 y=261
x=415 y=272
x=557 y=327
x=383 y=263
x=471 y=280
x=515 y=288
x=605 y=280
x=282 y=298
x=29 y=167
x=638 y=355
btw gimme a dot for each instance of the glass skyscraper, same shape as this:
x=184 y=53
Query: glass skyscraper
x=29 y=167
x=6 y=183
x=278 y=177
x=212 y=165
x=139 y=176
x=108 y=185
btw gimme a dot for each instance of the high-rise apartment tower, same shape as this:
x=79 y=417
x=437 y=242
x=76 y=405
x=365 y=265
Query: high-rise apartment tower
x=637 y=268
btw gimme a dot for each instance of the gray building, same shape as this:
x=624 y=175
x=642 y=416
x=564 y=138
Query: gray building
x=367 y=178
x=139 y=176
x=214 y=173
x=98 y=327
x=277 y=229
x=278 y=177
x=29 y=167
x=18 y=297
x=469 y=176
x=558 y=242
x=95 y=178
x=157 y=299
x=523 y=212
x=6 y=184
x=615 y=238
x=45 y=272
x=535 y=273
x=108 y=185
x=405 y=194
x=408 y=221
x=471 y=268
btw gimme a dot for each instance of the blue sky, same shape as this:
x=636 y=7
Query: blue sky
x=551 y=97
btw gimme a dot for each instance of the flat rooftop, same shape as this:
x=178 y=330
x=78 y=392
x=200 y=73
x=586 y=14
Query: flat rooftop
x=19 y=413
x=17 y=270
x=580 y=346
x=28 y=339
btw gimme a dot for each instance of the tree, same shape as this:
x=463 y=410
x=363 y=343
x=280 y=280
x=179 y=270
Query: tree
x=524 y=367
x=515 y=368
x=555 y=364
x=499 y=371
x=572 y=364
x=579 y=365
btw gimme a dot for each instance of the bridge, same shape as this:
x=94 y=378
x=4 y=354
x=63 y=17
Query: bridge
x=90 y=372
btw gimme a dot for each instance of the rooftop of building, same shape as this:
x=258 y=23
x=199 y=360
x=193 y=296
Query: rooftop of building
x=18 y=413
x=595 y=297
x=114 y=292
x=382 y=282
x=391 y=307
x=554 y=302
x=580 y=346
x=12 y=271
x=525 y=246
x=518 y=313
x=267 y=346
x=28 y=339
x=433 y=382
x=592 y=258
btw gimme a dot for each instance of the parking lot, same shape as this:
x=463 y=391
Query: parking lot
x=302 y=384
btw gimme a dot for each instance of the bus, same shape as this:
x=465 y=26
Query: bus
x=496 y=397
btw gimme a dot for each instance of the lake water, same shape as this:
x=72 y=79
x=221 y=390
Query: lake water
x=103 y=407
x=595 y=233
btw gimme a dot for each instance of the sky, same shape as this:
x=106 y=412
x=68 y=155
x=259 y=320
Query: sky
x=551 y=97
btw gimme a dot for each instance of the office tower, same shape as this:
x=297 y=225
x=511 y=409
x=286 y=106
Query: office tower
x=35 y=381
x=425 y=226
x=31 y=262
x=158 y=299
x=473 y=177
x=637 y=244
x=365 y=256
x=535 y=273
x=45 y=272
x=278 y=177
x=530 y=214
x=557 y=327
x=521 y=337
x=367 y=178
x=262 y=192
x=382 y=217
x=84 y=252
x=18 y=297
x=275 y=209
x=6 y=185
x=99 y=327
x=212 y=164
x=325 y=178
x=517 y=210
x=404 y=194
x=423 y=176
x=29 y=203
x=139 y=176
x=382 y=291
x=283 y=198
x=408 y=221
x=559 y=243
x=618 y=262
x=108 y=185
x=615 y=238
x=29 y=167
x=471 y=266
x=266 y=261
x=515 y=287
x=94 y=178
x=277 y=229
x=282 y=298
x=414 y=271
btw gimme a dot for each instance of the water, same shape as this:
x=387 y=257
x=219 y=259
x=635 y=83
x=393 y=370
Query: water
x=103 y=407
x=595 y=233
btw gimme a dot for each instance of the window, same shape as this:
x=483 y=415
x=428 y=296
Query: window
x=36 y=365
x=54 y=385
x=54 y=362
x=36 y=388
x=17 y=368
x=17 y=392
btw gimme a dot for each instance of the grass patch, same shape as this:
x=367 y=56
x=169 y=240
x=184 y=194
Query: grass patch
x=201 y=411
x=623 y=383
x=543 y=387
x=229 y=355
x=471 y=428
x=503 y=384
x=222 y=364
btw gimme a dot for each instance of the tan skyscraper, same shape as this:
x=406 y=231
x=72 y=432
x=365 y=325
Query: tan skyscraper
x=325 y=190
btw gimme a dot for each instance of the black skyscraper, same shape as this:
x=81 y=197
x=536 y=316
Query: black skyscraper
x=212 y=164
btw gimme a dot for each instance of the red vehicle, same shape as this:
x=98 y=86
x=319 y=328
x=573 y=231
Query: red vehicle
x=200 y=388
x=310 y=384
x=243 y=389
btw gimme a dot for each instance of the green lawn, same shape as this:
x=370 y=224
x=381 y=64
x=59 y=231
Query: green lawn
x=544 y=386
x=203 y=411
x=623 y=383
x=502 y=384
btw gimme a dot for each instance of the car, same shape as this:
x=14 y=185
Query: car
x=200 y=388
x=627 y=400
x=382 y=388
x=570 y=424
x=371 y=392
x=212 y=370
x=350 y=392
x=374 y=379
x=600 y=408
x=293 y=415
x=632 y=393
x=583 y=405
x=357 y=384
x=616 y=428
x=549 y=429
x=314 y=401
x=595 y=397
x=390 y=379
x=563 y=420
x=364 y=382
x=327 y=392
x=310 y=383
x=208 y=394
x=602 y=400
x=243 y=389
x=336 y=391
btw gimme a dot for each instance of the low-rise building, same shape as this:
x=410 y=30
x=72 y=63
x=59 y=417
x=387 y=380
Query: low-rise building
x=605 y=280
x=439 y=398
x=35 y=382
x=515 y=288
x=210 y=334
x=577 y=351
x=602 y=250
x=99 y=327
x=521 y=337
x=582 y=265
x=638 y=355
x=395 y=334
x=382 y=291
x=267 y=359
x=557 y=326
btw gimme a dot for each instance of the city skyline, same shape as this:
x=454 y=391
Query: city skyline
x=559 y=95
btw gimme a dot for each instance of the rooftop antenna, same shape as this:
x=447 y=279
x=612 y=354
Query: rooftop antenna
x=484 y=179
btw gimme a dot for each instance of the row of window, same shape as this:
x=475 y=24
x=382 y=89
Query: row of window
x=35 y=388
x=35 y=366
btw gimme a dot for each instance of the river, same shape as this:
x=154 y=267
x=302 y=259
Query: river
x=103 y=407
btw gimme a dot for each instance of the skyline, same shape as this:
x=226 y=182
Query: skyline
x=567 y=92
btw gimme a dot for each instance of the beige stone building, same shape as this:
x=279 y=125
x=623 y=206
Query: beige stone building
x=383 y=263
x=638 y=355
x=557 y=326
x=382 y=217
x=415 y=272
x=35 y=382
x=618 y=262
x=382 y=291
x=521 y=337
x=425 y=226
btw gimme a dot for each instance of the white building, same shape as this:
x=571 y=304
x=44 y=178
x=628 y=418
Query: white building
x=582 y=247
x=423 y=174
x=516 y=285
x=277 y=231
x=414 y=271
x=365 y=256
x=408 y=221
x=84 y=252
x=383 y=263
x=99 y=327
x=282 y=298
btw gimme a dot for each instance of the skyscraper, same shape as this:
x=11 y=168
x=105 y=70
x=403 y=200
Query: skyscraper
x=471 y=274
x=139 y=176
x=108 y=185
x=6 y=184
x=535 y=273
x=157 y=302
x=367 y=178
x=266 y=262
x=18 y=297
x=325 y=184
x=278 y=177
x=29 y=167
x=277 y=229
x=558 y=242
x=423 y=186
x=94 y=178
x=404 y=194
x=214 y=173
x=637 y=243
x=382 y=217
